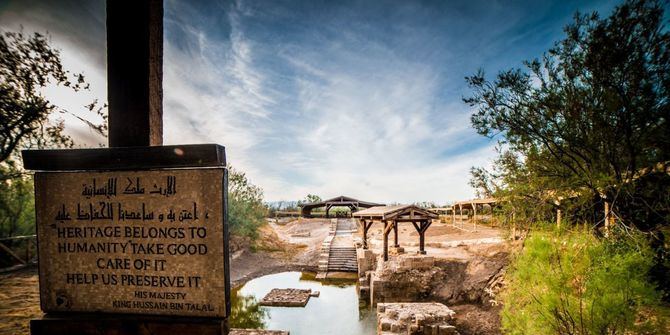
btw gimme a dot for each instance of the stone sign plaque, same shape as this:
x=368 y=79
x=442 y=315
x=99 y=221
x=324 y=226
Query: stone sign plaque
x=139 y=242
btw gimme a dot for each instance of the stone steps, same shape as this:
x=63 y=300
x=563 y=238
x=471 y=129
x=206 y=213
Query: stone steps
x=337 y=251
x=342 y=259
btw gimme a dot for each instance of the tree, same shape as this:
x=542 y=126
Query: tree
x=28 y=64
x=311 y=198
x=17 y=203
x=246 y=211
x=588 y=120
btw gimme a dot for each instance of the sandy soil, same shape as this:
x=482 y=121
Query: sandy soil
x=19 y=301
x=279 y=249
x=442 y=240
x=477 y=320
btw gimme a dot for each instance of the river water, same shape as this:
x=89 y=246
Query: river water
x=336 y=311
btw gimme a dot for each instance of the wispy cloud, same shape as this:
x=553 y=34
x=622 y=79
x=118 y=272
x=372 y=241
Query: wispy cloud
x=359 y=98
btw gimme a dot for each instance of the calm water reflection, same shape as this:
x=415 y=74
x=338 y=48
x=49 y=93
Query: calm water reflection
x=335 y=311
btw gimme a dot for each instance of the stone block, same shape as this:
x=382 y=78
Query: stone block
x=290 y=297
x=414 y=318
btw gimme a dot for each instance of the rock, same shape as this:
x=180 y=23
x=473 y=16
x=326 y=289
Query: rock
x=290 y=297
x=414 y=318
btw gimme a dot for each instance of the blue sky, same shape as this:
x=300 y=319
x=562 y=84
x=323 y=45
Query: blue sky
x=360 y=98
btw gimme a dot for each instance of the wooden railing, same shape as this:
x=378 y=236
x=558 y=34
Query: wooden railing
x=18 y=252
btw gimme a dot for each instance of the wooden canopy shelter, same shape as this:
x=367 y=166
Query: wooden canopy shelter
x=470 y=205
x=341 y=201
x=390 y=215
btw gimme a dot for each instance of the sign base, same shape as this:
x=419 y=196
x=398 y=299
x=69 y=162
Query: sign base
x=112 y=324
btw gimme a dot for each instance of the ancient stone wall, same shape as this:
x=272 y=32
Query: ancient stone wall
x=367 y=262
x=414 y=319
x=408 y=278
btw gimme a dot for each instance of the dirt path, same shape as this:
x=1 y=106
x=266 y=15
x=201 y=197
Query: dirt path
x=19 y=301
x=287 y=246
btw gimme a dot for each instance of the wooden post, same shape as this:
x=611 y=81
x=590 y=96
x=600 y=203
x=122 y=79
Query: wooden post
x=460 y=214
x=386 y=240
x=422 y=240
x=453 y=216
x=135 y=99
x=422 y=237
x=365 y=234
x=558 y=218
x=135 y=72
x=474 y=217
x=395 y=234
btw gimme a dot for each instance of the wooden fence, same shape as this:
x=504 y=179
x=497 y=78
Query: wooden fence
x=17 y=252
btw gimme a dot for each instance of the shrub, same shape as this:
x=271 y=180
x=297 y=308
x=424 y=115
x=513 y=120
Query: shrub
x=575 y=283
x=246 y=211
x=17 y=202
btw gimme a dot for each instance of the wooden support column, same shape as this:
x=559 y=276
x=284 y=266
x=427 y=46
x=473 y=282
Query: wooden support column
x=558 y=218
x=135 y=72
x=453 y=216
x=422 y=237
x=474 y=217
x=365 y=234
x=395 y=234
x=387 y=230
x=327 y=210
x=421 y=229
x=422 y=241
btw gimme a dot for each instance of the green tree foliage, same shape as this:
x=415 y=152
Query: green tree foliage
x=587 y=121
x=574 y=283
x=28 y=64
x=17 y=203
x=310 y=198
x=246 y=211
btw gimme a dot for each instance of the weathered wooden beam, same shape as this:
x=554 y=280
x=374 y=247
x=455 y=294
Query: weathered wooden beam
x=135 y=72
x=474 y=217
x=395 y=234
x=427 y=225
x=422 y=238
x=130 y=158
x=11 y=253
x=387 y=230
x=365 y=234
